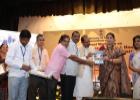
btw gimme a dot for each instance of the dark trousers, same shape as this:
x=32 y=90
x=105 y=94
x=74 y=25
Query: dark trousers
x=67 y=87
x=4 y=86
x=52 y=85
x=37 y=87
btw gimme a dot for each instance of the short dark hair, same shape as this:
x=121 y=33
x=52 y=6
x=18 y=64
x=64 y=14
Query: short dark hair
x=25 y=34
x=134 y=38
x=83 y=38
x=110 y=33
x=63 y=37
x=38 y=36
x=3 y=45
x=75 y=32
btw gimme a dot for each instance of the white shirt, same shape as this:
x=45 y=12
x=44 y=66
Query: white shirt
x=71 y=67
x=40 y=58
x=83 y=52
x=16 y=56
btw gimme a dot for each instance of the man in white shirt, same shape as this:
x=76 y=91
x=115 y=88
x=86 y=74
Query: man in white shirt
x=70 y=70
x=40 y=58
x=56 y=63
x=84 y=83
x=18 y=60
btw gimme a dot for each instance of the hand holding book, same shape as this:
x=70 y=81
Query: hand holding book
x=98 y=57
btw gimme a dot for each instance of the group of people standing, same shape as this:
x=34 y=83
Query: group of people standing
x=72 y=66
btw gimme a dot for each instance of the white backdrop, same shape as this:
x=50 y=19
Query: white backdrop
x=11 y=36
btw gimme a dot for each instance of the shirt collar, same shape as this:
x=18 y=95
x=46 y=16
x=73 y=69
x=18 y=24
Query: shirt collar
x=22 y=45
x=73 y=43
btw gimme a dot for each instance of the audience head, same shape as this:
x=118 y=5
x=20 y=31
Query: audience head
x=4 y=48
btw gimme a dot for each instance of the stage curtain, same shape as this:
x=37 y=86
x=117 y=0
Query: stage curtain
x=65 y=7
x=11 y=11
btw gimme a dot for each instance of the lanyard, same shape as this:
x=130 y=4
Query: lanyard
x=76 y=49
x=23 y=52
x=86 y=51
x=39 y=55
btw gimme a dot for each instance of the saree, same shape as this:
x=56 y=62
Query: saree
x=114 y=80
x=136 y=76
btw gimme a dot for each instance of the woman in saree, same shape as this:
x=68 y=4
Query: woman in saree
x=134 y=65
x=113 y=74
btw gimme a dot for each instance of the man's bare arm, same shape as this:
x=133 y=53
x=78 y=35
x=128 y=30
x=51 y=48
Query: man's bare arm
x=81 y=61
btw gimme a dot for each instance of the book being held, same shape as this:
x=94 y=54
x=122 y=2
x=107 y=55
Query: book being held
x=41 y=74
x=98 y=57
